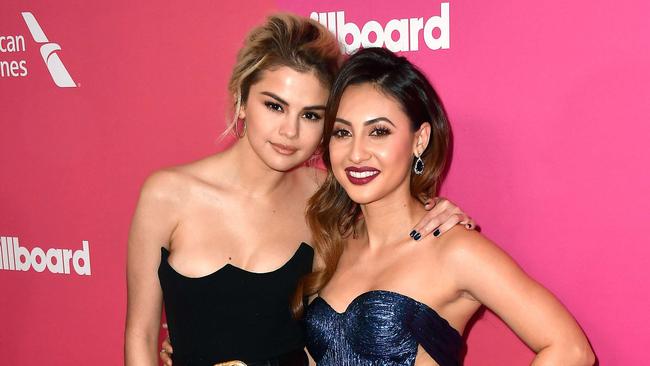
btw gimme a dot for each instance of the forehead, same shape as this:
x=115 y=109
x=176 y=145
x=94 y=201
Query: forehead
x=363 y=102
x=299 y=87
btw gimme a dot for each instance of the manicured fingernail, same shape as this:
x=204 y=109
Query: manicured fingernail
x=417 y=236
x=436 y=233
x=412 y=233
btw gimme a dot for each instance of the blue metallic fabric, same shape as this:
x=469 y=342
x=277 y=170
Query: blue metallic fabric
x=379 y=328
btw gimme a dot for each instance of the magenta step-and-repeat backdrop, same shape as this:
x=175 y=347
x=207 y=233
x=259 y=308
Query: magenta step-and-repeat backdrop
x=549 y=102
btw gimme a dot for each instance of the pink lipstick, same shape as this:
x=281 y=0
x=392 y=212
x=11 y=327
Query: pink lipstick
x=283 y=149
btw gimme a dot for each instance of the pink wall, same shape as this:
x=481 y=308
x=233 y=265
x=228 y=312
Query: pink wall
x=549 y=105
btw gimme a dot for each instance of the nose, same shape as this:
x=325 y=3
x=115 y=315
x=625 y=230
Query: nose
x=359 y=152
x=290 y=127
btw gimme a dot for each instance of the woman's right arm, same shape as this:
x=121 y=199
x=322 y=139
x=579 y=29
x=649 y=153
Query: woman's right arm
x=153 y=224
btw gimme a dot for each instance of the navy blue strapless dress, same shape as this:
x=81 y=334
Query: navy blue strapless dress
x=379 y=328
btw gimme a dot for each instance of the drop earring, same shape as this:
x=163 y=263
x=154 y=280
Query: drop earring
x=418 y=166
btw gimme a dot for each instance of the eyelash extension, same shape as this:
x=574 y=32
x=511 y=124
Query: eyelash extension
x=275 y=107
x=317 y=117
x=338 y=133
x=380 y=131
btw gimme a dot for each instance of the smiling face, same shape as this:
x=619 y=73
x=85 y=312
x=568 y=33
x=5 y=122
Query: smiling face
x=284 y=116
x=372 y=144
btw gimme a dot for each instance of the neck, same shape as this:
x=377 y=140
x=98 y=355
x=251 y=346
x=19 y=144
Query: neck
x=390 y=219
x=249 y=173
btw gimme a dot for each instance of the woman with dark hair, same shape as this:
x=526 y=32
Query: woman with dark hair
x=383 y=299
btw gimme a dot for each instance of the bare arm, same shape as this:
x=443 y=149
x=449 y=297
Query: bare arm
x=539 y=319
x=152 y=227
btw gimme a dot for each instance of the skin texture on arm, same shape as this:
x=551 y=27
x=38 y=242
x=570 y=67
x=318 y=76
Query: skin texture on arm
x=489 y=275
x=153 y=225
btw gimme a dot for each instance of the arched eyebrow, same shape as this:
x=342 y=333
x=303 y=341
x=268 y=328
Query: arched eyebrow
x=285 y=103
x=366 y=123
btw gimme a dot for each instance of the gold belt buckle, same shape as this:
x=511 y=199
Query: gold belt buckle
x=231 y=363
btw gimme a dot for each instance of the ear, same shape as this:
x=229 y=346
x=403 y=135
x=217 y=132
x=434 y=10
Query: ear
x=242 y=112
x=421 y=139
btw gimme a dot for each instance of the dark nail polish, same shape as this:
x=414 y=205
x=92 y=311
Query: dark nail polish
x=436 y=233
x=417 y=236
x=412 y=233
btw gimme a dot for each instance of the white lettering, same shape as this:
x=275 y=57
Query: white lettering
x=343 y=29
x=10 y=251
x=15 y=257
x=408 y=31
x=402 y=28
x=67 y=255
x=441 y=23
x=83 y=254
x=54 y=260
x=416 y=25
x=13 y=43
x=372 y=27
x=20 y=252
x=3 y=249
x=38 y=265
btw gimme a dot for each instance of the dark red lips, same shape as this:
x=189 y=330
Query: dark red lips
x=361 y=175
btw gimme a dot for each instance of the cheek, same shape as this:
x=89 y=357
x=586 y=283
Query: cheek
x=313 y=135
x=255 y=117
x=395 y=155
x=336 y=153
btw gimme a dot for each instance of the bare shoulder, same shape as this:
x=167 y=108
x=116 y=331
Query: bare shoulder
x=174 y=184
x=463 y=248
x=165 y=184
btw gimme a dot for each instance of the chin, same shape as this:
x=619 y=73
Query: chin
x=362 y=198
x=283 y=164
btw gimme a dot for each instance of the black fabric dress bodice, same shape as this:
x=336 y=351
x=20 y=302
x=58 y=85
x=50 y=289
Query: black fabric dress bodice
x=233 y=314
x=379 y=328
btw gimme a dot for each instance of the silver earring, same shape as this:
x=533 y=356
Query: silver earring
x=242 y=134
x=418 y=166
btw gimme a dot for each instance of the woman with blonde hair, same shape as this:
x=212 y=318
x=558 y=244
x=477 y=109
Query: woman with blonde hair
x=223 y=241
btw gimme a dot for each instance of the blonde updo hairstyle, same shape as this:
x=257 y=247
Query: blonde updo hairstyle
x=283 y=40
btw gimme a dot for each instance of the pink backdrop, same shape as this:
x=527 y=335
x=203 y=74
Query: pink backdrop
x=549 y=104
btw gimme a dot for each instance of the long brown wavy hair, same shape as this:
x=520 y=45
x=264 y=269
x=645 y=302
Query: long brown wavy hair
x=331 y=214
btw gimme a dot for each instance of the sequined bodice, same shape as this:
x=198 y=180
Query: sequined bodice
x=379 y=328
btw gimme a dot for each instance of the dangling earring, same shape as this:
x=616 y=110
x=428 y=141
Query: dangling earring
x=418 y=166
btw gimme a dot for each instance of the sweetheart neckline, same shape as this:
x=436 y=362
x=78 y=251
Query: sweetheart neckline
x=391 y=293
x=228 y=265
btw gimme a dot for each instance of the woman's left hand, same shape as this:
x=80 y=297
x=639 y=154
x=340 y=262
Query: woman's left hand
x=442 y=216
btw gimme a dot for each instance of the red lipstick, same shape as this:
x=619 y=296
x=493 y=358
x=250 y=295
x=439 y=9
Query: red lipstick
x=361 y=175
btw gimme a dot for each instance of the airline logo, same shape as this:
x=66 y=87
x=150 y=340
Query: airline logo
x=13 y=257
x=55 y=66
x=435 y=31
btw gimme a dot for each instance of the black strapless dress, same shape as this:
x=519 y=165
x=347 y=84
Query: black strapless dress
x=234 y=314
x=379 y=328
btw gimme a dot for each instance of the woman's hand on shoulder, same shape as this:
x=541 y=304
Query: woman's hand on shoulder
x=442 y=215
x=492 y=277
